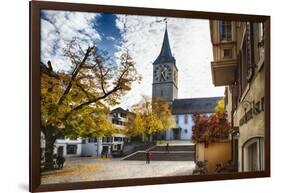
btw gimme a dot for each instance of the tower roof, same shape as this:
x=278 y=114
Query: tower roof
x=165 y=53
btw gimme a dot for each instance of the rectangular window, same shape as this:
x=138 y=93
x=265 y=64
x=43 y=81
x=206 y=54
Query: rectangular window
x=261 y=41
x=227 y=53
x=115 y=121
x=185 y=119
x=106 y=139
x=117 y=139
x=92 y=140
x=71 y=149
x=246 y=59
x=177 y=119
x=225 y=30
x=123 y=115
x=261 y=35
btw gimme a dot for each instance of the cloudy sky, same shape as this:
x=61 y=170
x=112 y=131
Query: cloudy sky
x=143 y=35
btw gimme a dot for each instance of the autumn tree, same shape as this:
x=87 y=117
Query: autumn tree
x=151 y=117
x=219 y=126
x=75 y=102
x=211 y=128
x=200 y=127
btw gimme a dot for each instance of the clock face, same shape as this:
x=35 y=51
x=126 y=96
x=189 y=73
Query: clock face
x=162 y=73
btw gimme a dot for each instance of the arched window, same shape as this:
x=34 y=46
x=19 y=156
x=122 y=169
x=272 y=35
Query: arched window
x=253 y=155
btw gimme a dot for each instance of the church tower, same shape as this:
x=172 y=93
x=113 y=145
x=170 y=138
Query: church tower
x=165 y=73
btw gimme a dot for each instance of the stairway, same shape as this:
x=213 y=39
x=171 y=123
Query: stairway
x=159 y=153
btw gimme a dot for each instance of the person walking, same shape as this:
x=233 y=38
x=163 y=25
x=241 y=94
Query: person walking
x=60 y=161
x=148 y=156
x=167 y=147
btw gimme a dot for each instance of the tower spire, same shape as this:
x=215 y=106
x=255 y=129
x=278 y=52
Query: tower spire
x=165 y=53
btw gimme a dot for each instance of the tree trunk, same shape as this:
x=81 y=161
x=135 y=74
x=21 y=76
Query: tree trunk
x=150 y=137
x=49 y=154
x=142 y=137
x=50 y=135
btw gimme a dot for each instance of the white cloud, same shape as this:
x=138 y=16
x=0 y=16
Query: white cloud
x=190 y=44
x=59 y=27
x=143 y=35
x=110 y=38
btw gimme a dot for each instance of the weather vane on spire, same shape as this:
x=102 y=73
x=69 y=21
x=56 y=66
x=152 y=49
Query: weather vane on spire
x=166 y=21
x=163 y=20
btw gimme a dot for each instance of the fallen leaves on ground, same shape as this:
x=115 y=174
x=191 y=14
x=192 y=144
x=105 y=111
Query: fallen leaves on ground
x=103 y=159
x=72 y=171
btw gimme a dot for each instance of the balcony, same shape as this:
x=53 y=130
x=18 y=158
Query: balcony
x=223 y=72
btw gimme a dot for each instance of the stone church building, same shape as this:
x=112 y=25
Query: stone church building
x=165 y=85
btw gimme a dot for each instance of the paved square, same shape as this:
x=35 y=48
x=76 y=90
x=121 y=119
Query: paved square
x=91 y=169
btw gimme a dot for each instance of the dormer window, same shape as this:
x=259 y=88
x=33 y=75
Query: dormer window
x=225 y=30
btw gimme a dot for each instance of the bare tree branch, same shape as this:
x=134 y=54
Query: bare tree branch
x=48 y=70
x=106 y=94
x=74 y=74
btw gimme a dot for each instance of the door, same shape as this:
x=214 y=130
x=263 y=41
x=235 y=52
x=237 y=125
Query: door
x=177 y=134
x=252 y=157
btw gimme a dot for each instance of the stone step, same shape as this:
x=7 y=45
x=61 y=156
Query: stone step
x=175 y=148
x=164 y=156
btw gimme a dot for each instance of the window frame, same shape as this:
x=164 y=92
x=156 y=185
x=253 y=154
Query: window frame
x=225 y=34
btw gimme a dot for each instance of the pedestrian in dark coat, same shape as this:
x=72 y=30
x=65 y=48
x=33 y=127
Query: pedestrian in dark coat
x=148 y=155
x=60 y=161
x=167 y=147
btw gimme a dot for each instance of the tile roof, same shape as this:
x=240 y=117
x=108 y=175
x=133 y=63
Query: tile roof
x=194 y=105
x=165 y=53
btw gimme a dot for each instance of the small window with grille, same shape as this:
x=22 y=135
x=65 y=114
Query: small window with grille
x=227 y=53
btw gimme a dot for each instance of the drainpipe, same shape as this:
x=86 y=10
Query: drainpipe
x=232 y=138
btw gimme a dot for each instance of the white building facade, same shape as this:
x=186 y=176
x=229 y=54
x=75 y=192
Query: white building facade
x=68 y=147
x=183 y=130
x=183 y=110
x=97 y=146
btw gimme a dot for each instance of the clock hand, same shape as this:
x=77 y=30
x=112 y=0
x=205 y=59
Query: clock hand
x=163 y=74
